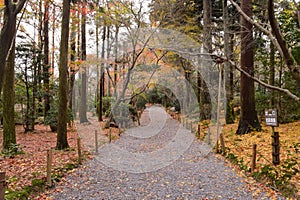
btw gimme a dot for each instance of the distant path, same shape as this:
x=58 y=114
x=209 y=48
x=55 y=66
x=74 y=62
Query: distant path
x=184 y=173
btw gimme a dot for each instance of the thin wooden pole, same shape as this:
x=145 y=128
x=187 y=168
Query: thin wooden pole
x=49 y=165
x=198 y=131
x=222 y=143
x=109 y=135
x=253 y=162
x=219 y=105
x=79 y=151
x=96 y=141
x=2 y=185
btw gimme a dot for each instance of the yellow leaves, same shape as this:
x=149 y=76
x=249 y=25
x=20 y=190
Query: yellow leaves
x=2 y=4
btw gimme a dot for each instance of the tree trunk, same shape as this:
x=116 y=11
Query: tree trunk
x=9 y=134
x=100 y=118
x=272 y=74
x=7 y=33
x=46 y=60
x=228 y=68
x=73 y=66
x=83 y=104
x=62 y=141
x=205 y=109
x=248 y=119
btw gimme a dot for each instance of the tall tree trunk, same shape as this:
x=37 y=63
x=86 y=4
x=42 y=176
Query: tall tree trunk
x=205 y=109
x=108 y=58
x=248 y=119
x=46 y=60
x=116 y=58
x=82 y=113
x=7 y=33
x=53 y=42
x=272 y=73
x=100 y=118
x=73 y=66
x=62 y=141
x=228 y=68
x=9 y=134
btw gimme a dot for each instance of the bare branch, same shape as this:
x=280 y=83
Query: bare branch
x=287 y=92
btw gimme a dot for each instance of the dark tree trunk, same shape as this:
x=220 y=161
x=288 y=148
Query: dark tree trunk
x=205 y=106
x=100 y=118
x=82 y=113
x=248 y=119
x=228 y=68
x=73 y=66
x=9 y=134
x=46 y=60
x=7 y=33
x=272 y=74
x=62 y=141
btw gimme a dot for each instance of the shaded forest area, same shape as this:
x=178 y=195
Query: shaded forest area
x=65 y=61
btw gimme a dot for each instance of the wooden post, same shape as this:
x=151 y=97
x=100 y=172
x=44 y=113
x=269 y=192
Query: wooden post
x=49 y=165
x=208 y=135
x=275 y=148
x=96 y=141
x=222 y=143
x=198 y=131
x=79 y=151
x=2 y=185
x=253 y=162
x=109 y=136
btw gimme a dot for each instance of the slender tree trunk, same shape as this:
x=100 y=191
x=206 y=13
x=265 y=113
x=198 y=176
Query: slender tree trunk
x=53 y=42
x=248 y=119
x=100 y=118
x=62 y=141
x=205 y=109
x=228 y=68
x=116 y=58
x=82 y=113
x=108 y=64
x=7 y=33
x=9 y=134
x=73 y=66
x=46 y=60
x=272 y=73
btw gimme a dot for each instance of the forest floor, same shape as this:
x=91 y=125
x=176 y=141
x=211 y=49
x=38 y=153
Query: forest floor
x=189 y=177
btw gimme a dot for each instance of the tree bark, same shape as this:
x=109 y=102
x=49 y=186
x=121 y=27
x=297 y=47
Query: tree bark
x=228 y=68
x=9 y=134
x=83 y=102
x=62 y=141
x=7 y=33
x=248 y=119
x=46 y=65
x=100 y=117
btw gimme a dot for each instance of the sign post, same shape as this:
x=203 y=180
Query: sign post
x=272 y=120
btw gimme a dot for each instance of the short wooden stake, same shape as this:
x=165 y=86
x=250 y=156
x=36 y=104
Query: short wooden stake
x=222 y=143
x=96 y=141
x=79 y=151
x=2 y=185
x=109 y=135
x=198 y=131
x=253 y=161
x=49 y=165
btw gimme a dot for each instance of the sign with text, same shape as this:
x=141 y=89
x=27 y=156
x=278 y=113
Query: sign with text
x=271 y=117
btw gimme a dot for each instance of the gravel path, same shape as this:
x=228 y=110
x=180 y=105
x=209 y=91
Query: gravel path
x=170 y=164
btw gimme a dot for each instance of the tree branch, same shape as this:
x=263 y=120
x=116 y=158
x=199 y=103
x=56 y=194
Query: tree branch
x=286 y=91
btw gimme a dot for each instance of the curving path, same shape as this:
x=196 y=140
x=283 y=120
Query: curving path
x=159 y=160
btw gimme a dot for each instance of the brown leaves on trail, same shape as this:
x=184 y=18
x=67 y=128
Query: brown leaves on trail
x=24 y=168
